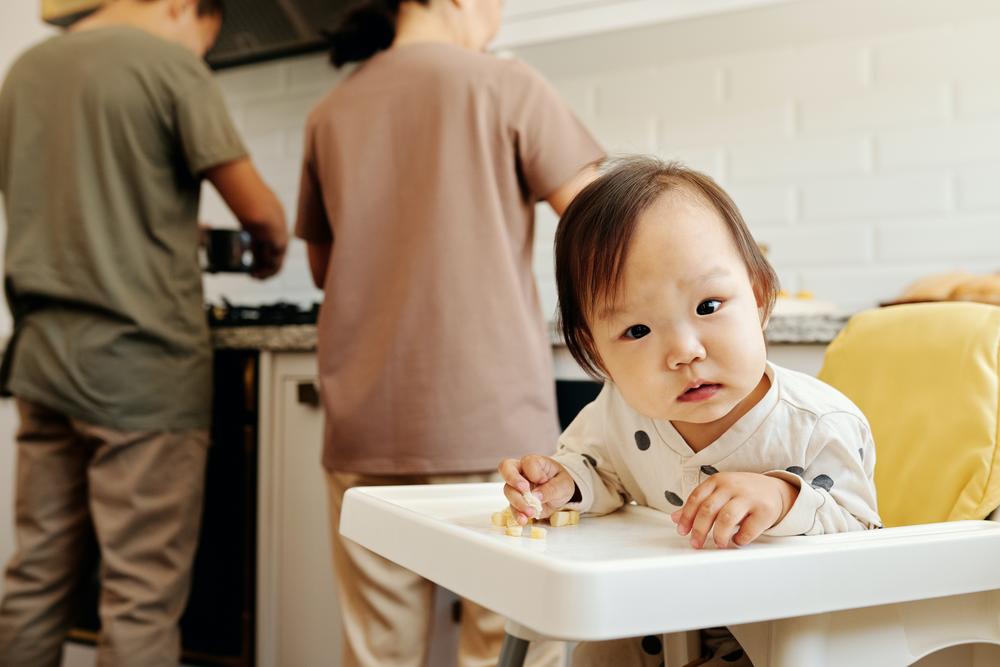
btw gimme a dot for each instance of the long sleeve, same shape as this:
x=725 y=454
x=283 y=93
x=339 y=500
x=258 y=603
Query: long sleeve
x=836 y=486
x=583 y=452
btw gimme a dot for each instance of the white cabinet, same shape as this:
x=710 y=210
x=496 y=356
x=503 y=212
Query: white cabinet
x=533 y=21
x=298 y=619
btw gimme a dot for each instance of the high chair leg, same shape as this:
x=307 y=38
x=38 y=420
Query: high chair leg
x=886 y=636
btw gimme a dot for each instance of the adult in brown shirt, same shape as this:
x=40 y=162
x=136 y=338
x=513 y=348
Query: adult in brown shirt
x=421 y=173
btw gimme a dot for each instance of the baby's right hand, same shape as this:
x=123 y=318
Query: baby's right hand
x=540 y=475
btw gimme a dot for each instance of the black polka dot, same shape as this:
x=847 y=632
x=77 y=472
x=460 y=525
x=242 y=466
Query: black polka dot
x=673 y=498
x=590 y=459
x=796 y=470
x=822 y=482
x=861 y=454
x=709 y=470
x=642 y=440
x=734 y=656
x=651 y=645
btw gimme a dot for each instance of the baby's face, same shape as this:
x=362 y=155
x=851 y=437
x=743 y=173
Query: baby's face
x=684 y=342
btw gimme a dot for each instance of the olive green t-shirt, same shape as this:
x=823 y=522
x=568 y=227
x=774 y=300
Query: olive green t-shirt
x=103 y=136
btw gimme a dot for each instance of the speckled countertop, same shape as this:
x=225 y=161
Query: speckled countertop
x=791 y=329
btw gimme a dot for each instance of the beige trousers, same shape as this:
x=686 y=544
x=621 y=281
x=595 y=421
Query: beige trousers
x=387 y=610
x=141 y=492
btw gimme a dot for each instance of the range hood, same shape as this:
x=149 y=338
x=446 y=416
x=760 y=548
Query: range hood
x=254 y=30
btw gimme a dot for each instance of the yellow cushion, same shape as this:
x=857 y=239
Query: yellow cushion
x=926 y=376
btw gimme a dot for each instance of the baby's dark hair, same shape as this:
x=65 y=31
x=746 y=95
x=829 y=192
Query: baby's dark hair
x=593 y=237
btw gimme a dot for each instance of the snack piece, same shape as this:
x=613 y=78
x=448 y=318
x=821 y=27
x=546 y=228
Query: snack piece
x=564 y=518
x=498 y=519
x=559 y=519
x=537 y=533
x=513 y=531
x=532 y=500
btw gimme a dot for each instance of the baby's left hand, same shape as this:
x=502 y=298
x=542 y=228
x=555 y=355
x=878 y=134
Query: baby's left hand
x=740 y=506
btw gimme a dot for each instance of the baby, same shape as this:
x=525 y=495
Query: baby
x=664 y=296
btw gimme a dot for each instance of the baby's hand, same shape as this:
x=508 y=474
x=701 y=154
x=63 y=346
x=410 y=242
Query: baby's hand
x=740 y=505
x=553 y=486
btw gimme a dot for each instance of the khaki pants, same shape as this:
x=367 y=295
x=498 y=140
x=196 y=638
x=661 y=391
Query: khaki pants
x=387 y=610
x=141 y=492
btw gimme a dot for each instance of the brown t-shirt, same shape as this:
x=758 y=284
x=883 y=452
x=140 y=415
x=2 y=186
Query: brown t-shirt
x=423 y=168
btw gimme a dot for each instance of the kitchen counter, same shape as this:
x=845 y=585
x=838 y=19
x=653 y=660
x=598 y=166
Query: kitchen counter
x=797 y=329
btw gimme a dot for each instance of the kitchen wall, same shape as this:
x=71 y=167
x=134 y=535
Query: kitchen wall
x=861 y=138
x=19 y=27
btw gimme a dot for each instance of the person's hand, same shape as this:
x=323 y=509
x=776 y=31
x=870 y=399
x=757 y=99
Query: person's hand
x=268 y=255
x=553 y=486
x=739 y=505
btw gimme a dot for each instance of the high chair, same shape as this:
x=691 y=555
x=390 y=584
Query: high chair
x=926 y=376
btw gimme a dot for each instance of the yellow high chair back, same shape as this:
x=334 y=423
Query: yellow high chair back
x=926 y=376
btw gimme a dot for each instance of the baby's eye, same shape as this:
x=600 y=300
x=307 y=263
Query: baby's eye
x=636 y=331
x=708 y=306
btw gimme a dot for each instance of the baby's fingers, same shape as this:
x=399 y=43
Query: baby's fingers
x=521 y=508
x=510 y=470
x=555 y=493
x=753 y=526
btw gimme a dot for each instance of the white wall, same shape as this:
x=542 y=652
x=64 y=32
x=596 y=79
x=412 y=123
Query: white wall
x=19 y=27
x=861 y=138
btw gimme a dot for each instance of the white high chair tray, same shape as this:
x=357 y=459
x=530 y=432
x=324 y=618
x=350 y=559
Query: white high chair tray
x=630 y=574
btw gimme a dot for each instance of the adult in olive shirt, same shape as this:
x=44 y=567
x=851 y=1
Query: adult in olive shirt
x=105 y=135
x=421 y=174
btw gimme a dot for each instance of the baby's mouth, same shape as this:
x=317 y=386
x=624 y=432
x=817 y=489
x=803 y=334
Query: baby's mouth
x=699 y=392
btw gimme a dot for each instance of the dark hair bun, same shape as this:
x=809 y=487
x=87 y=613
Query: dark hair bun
x=362 y=31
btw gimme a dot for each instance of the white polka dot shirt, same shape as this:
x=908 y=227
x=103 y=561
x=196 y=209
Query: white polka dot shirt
x=802 y=431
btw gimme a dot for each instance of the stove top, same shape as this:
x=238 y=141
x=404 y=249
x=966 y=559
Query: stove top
x=270 y=314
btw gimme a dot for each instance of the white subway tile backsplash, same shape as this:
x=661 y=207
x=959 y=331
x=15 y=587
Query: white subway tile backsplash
x=764 y=204
x=948 y=52
x=980 y=189
x=951 y=145
x=683 y=127
x=631 y=133
x=313 y=73
x=930 y=241
x=828 y=245
x=281 y=112
x=863 y=287
x=579 y=94
x=823 y=70
x=888 y=107
x=877 y=197
x=795 y=161
x=688 y=89
x=976 y=100
x=263 y=81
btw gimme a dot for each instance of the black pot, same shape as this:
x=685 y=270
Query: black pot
x=226 y=251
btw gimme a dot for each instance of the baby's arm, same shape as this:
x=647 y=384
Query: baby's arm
x=836 y=485
x=579 y=475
